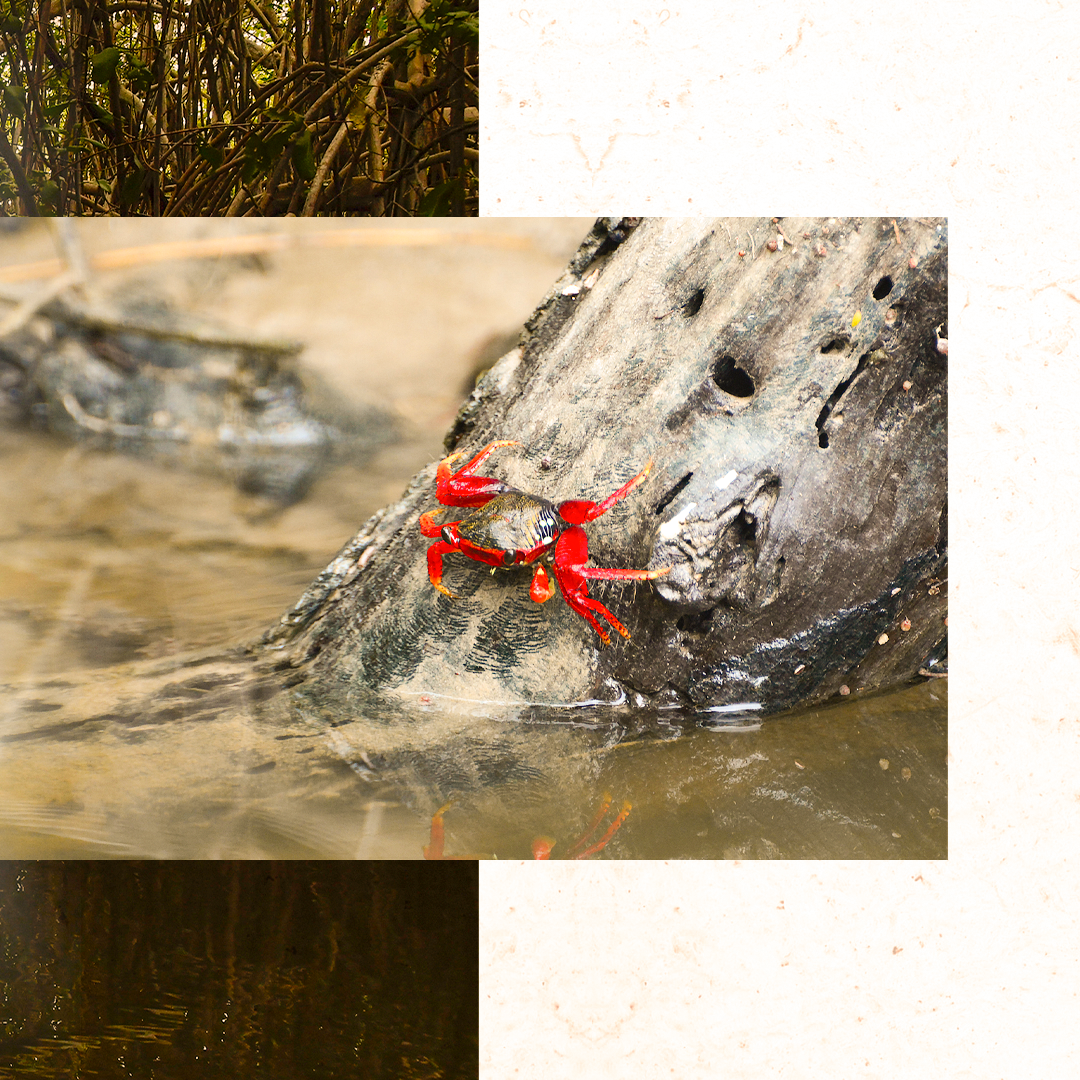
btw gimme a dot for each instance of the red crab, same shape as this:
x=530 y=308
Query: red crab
x=542 y=845
x=508 y=527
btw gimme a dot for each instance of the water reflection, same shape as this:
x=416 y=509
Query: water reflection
x=165 y=970
x=860 y=779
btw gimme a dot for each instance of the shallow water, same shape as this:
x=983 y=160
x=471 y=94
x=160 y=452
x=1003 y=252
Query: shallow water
x=131 y=728
x=163 y=970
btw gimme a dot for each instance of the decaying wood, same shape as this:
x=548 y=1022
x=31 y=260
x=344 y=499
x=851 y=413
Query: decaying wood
x=789 y=380
x=154 y=383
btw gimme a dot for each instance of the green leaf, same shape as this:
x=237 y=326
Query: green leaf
x=280 y=116
x=442 y=20
x=212 y=154
x=103 y=115
x=264 y=145
x=436 y=203
x=49 y=195
x=104 y=64
x=15 y=100
x=132 y=188
x=358 y=111
x=54 y=112
x=250 y=169
x=303 y=157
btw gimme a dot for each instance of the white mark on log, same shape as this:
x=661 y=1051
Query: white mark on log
x=670 y=529
x=726 y=479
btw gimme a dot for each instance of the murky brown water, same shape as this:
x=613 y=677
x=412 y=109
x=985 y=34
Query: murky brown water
x=114 y=571
x=235 y=970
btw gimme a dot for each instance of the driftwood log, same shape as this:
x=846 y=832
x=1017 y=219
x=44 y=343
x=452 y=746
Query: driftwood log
x=788 y=378
x=155 y=383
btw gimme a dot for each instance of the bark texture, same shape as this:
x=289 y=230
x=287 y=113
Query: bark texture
x=789 y=380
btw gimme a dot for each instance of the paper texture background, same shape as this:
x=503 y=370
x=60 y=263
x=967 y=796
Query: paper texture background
x=964 y=968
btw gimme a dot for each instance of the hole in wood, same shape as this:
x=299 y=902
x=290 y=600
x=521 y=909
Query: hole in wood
x=731 y=378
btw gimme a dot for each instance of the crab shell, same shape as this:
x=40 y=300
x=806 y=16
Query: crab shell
x=521 y=526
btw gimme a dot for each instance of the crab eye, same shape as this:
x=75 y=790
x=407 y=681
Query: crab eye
x=447 y=535
x=545 y=531
x=508 y=558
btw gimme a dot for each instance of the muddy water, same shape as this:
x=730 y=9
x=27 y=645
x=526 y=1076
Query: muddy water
x=124 y=582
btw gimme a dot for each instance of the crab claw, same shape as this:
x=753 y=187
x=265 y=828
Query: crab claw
x=461 y=488
x=542 y=587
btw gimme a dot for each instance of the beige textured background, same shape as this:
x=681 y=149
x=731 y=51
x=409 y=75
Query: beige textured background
x=965 y=968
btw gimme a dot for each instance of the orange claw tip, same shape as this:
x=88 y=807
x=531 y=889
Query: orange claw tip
x=541 y=589
x=541 y=847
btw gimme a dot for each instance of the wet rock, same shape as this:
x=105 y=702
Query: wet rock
x=794 y=404
x=150 y=382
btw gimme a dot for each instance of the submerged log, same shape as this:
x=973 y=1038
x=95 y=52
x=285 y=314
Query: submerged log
x=154 y=383
x=788 y=379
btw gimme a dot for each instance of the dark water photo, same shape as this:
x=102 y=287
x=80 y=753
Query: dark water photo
x=238 y=969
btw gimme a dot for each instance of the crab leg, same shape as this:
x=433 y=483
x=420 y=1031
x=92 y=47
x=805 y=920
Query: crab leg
x=434 y=564
x=435 y=849
x=601 y=810
x=579 y=511
x=462 y=488
x=612 y=828
x=541 y=846
x=623 y=814
x=428 y=525
x=581 y=602
x=571 y=554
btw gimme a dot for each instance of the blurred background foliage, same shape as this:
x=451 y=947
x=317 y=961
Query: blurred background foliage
x=239 y=107
x=237 y=969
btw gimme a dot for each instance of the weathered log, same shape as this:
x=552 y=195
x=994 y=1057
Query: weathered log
x=789 y=380
x=153 y=383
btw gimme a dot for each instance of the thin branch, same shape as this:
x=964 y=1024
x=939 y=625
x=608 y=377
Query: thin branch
x=315 y=191
x=11 y=160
